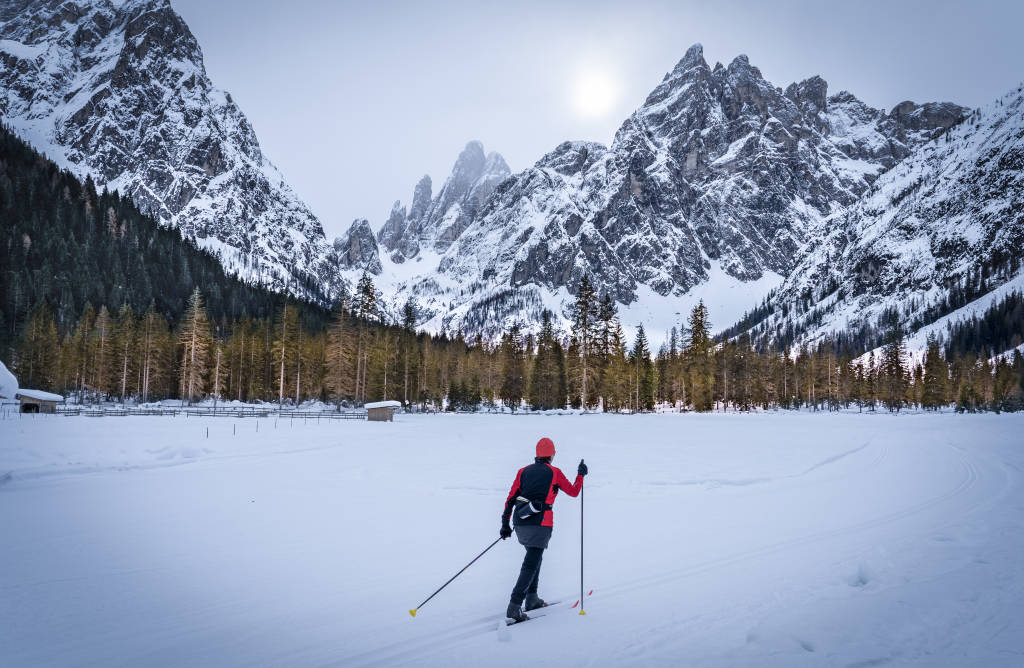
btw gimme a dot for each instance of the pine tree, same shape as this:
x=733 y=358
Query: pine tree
x=151 y=360
x=700 y=360
x=584 y=336
x=38 y=357
x=408 y=345
x=894 y=375
x=608 y=321
x=643 y=372
x=366 y=311
x=548 y=387
x=617 y=377
x=195 y=340
x=100 y=349
x=80 y=353
x=340 y=355
x=286 y=353
x=218 y=379
x=513 y=369
x=124 y=348
x=935 y=376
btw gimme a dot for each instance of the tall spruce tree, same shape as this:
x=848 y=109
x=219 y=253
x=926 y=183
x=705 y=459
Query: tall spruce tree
x=935 y=376
x=125 y=343
x=700 y=359
x=513 y=369
x=894 y=375
x=547 y=382
x=617 y=377
x=195 y=340
x=38 y=360
x=101 y=345
x=584 y=335
x=643 y=372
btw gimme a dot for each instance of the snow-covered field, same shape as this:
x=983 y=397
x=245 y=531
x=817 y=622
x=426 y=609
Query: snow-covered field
x=714 y=540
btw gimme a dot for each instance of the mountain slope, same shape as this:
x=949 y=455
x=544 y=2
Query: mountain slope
x=119 y=92
x=930 y=240
x=719 y=178
x=436 y=223
x=67 y=246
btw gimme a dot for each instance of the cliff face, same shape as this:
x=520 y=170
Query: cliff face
x=119 y=92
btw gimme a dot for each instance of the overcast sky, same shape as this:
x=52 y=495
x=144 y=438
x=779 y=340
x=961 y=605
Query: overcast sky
x=355 y=101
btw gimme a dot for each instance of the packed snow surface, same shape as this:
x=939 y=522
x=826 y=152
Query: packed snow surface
x=777 y=539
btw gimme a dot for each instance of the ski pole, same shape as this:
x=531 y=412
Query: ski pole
x=414 y=610
x=582 y=612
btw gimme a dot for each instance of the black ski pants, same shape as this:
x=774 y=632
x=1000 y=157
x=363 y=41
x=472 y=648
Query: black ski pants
x=529 y=574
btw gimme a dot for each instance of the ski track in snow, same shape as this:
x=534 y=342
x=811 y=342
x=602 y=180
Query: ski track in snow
x=795 y=539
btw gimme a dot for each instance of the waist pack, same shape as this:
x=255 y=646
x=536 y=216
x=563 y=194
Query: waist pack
x=527 y=508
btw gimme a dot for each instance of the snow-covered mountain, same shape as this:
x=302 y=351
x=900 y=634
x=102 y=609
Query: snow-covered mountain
x=436 y=223
x=721 y=186
x=118 y=91
x=709 y=190
x=942 y=227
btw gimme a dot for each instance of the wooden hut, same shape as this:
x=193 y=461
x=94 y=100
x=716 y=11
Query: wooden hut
x=37 y=401
x=382 y=411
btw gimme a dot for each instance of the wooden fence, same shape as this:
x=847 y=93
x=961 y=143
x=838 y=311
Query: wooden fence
x=231 y=412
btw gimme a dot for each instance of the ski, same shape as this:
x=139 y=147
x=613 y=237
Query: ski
x=532 y=614
x=544 y=611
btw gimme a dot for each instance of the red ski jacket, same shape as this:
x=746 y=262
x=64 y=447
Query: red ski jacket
x=540 y=483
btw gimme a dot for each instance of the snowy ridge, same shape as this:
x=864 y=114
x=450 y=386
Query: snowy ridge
x=953 y=206
x=719 y=178
x=117 y=91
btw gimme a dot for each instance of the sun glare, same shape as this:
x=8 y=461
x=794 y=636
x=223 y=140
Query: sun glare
x=593 y=94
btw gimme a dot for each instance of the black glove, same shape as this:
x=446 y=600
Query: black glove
x=581 y=469
x=506 y=530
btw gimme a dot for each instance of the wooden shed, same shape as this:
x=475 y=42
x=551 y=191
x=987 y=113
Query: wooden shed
x=37 y=401
x=382 y=411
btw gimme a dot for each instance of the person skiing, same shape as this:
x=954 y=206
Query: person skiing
x=529 y=504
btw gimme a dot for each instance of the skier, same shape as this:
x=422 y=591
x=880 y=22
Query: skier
x=530 y=501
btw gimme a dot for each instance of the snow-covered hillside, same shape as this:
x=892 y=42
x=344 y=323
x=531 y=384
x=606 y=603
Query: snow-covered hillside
x=118 y=91
x=710 y=540
x=718 y=174
x=951 y=214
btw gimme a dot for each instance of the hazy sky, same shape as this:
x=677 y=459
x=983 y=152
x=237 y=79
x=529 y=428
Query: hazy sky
x=355 y=101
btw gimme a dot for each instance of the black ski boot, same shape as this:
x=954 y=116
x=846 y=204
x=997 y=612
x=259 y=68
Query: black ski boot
x=515 y=614
x=533 y=602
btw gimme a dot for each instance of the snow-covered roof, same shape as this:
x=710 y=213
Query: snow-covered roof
x=8 y=383
x=38 y=395
x=384 y=404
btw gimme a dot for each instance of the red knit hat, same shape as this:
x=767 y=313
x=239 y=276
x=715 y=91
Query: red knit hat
x=545 y=447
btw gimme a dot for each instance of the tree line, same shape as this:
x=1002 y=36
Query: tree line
x=101 y=302
x=356 y=356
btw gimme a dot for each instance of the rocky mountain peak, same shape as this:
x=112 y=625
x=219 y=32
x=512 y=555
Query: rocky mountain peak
x=572 y=157
x=811 y=94
x=357 y=249
x=439 y=221
x=119 y=92
x=694 y=58
x=927 y=117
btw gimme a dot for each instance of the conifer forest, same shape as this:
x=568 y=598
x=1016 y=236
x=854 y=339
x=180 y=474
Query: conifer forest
x=102 y=303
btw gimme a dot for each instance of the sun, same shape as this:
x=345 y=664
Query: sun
x=593 y=94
